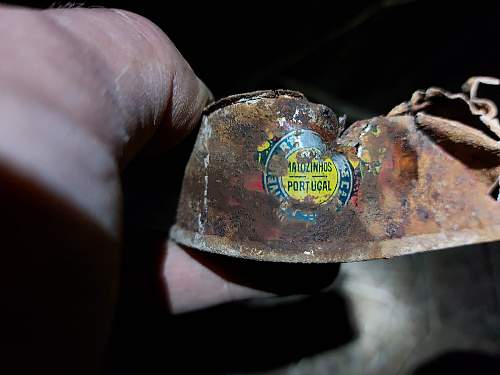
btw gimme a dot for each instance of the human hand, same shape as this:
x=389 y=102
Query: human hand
x=82 y=92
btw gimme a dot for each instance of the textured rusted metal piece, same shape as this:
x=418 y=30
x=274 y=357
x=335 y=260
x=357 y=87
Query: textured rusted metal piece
x=275 y=177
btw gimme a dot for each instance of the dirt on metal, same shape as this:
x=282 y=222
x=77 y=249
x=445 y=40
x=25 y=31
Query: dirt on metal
x=274 y=177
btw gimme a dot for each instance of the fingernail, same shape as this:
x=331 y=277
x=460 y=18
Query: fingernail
x=209 y=96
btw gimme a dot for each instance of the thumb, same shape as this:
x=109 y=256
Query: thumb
x=123 y=78
x=153 y=87
x=79 y=82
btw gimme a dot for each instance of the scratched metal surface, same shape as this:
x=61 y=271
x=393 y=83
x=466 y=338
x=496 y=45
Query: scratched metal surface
x=390 y=185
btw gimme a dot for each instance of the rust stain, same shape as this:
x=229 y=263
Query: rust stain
x=274 y=177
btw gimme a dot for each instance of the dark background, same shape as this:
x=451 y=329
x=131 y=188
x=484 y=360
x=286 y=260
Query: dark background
x=417 y=314
x=359 y=57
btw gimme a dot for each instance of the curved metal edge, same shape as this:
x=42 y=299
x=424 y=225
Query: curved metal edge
x=386 y=249
x=238 y=98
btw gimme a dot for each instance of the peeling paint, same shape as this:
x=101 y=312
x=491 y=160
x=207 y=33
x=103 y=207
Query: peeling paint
x=404 y=185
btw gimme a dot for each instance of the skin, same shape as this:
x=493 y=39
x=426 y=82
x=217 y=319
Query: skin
x=82 y=92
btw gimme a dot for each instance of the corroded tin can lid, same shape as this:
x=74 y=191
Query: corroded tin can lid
x=275 y=177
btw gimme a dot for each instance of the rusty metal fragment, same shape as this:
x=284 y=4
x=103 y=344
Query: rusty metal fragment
x=274 y=177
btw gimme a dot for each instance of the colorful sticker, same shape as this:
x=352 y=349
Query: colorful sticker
x=297 y=169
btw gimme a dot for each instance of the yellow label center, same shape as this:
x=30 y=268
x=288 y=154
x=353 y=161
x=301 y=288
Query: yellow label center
x=309 y=178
